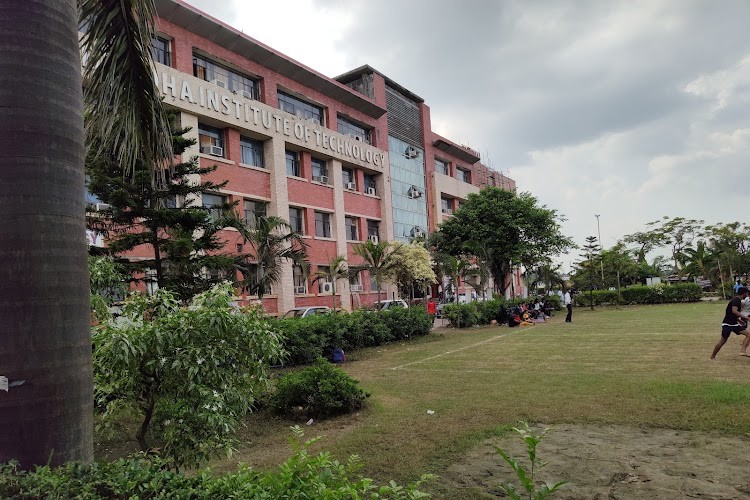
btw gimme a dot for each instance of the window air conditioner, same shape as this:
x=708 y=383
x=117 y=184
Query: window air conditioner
x=212 y=150
x=419 y=234
x=299 y=290
x=351 y=186
x=374 y=238
x=98 y=207
x=414 y=192
x=371 y=191
x=326 y=287
x=316 y=178
x=355 y=137
x=323 y=179
x=247 y=95
x=219 y=83
x=411 y=152
x=355 y=288
x=447 y=211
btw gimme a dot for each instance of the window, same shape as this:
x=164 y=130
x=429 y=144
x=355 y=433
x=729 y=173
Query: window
x=322 y=225
x=373 y=284
x=211 y=140
x=251 y=280
x=298 y=277
x=373 y=228
x=370 y=184
x=224 y=77
x=347 y=175
x=463 y=175
x=296 y=220
x=357 y=132
x=300 y=108
x=252 y=152
x=441 y=166
x=253 y=209
x=446 y=204
x=215 y=204
x=292 y=164
x=355 y=281
x=160 y=50
x=320 y=171
x=352 y=231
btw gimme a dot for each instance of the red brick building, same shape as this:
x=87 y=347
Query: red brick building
x=313 y=150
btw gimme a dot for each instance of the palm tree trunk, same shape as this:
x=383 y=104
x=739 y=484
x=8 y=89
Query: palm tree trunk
x=45 y=343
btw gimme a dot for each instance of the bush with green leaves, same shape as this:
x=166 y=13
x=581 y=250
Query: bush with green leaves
x=599 y=297
x=662 y=294
x=304 y=475
x=461 y=315
x=527 y=475
x=321 y=390
x=190 y=372
x=306 y=339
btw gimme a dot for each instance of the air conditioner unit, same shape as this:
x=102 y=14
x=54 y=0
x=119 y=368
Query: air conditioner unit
x=323 y=179
x=300 y=290
x=316 y=178
x=326 y=287
x=355 y=288
x=374 y=238
x=351 y=186
x=98 y=207
x=411 y=152
x=246 y=94
x=371 y=191
x=212 y=150
x=447 y=211
x=355 y=137
x=414 y=192
x=219 y=83
x=419 y=234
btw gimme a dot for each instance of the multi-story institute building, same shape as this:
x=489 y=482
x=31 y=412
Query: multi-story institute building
x=342 y=159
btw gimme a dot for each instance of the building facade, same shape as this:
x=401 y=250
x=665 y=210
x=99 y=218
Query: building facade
x=343 y=160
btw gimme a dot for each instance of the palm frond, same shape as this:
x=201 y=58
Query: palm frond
x=123 y=109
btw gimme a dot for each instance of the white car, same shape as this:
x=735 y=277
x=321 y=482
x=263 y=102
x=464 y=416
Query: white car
x=304 y=312
x=391 y=304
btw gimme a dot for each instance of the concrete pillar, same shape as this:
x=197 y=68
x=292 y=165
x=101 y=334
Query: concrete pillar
x=275 y=150
x=339 y=229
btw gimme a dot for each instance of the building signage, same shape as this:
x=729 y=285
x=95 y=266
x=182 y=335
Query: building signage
x=261 y=116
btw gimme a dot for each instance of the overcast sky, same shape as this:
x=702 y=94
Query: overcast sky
x=629 y=109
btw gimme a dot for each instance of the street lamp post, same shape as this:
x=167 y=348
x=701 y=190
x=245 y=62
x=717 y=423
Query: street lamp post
x=599 y=234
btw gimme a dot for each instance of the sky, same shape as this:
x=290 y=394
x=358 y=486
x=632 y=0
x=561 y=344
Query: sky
x=632 y=110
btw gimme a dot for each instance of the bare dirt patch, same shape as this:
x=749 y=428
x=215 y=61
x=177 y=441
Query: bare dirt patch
x=613 y=462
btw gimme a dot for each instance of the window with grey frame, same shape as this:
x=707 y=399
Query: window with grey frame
x=298 y=107
x=299 y=280
x=347 y=176
x=370 y=184
x=211 y=140
x=446 y=205
x=441 y=166
x=463 y=175
x=215 y=204
x=252 y=210
x=160 y=50
x=322 y=224
x=296 y=220
x=352 y=228
x=319 y=170
x=354 y=130
x=251 y=151
x=208 y=70
x=292 y=164
x=373 y=228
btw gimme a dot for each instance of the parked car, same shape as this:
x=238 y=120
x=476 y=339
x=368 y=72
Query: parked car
x=444 y=302
x=390 y=304
x=304 y=312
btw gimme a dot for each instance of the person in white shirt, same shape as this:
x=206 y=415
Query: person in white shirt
x=569 y=305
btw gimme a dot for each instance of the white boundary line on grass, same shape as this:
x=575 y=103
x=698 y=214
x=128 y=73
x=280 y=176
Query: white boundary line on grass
x=457 y=350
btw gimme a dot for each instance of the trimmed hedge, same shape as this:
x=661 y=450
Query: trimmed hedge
x=480 y=313
x=307 y=339
x=642 y=294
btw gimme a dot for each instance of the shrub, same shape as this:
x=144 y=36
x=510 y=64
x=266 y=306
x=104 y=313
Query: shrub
x=192 y=373
x=660 y=294
x=599 y=296
x=304 y=475
x=406 y=323
x=461 y=315
x=321 y=390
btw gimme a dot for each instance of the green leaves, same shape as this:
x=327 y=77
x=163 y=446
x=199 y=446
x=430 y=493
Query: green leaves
x=193 y=372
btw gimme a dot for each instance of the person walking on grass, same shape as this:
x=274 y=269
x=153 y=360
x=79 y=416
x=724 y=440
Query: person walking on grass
x=569 y=305
x=735 y=321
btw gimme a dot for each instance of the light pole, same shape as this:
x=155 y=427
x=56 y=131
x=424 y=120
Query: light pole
x=599 y=234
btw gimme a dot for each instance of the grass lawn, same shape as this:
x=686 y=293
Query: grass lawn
x=642 y=366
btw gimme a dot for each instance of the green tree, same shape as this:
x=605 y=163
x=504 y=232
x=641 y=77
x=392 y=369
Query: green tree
x=513 y=226
x=192 y=373
x=336 y=270
x=272 y=243
x=677 y=234
x=619 y=266
x=181 y=235
x=411 y=265
x=377 y=259
x=108 y=284
x=47 y=342
x=586 y=275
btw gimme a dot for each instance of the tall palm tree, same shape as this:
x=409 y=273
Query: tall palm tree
x=337 y=269
x=273 y=242
x=45 y=344
x=378 y=259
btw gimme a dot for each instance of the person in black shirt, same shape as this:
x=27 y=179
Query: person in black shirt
x=734 y=321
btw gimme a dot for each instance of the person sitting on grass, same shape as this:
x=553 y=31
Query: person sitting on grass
x=734 y=321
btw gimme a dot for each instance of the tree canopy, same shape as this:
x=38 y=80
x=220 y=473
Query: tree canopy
x=514 y=226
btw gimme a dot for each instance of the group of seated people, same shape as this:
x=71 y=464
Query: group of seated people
x=529 y=313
